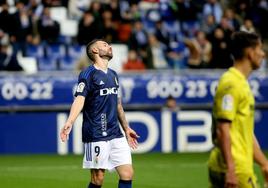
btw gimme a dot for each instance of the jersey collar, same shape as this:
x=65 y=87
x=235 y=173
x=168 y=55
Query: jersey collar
x=104 y=71
x=237 y=73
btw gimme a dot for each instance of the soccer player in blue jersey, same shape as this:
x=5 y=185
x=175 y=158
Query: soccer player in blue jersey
x=97 y=96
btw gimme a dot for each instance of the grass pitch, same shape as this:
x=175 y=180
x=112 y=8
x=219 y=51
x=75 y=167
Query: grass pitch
x=152 y=170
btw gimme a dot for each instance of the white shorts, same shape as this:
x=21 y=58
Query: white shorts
x=107 y=154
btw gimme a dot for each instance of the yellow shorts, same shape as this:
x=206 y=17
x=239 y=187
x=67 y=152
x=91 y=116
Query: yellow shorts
x=217 y=180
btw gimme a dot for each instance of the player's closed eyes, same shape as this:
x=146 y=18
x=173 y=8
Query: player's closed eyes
x=105 y=44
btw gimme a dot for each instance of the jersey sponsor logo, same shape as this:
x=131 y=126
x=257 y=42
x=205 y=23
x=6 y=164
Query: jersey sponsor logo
x=80 y=87
x=104 y=124
x=227 y=102
x=108 y=91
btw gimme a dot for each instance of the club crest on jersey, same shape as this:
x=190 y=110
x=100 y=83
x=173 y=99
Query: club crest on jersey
x=80 y=87
x=108 y=91
x=116 y=81
x=227 y=102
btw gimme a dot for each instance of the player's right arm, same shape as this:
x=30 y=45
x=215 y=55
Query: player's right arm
x=223 y=136
x=225 y=107
x=76 y=108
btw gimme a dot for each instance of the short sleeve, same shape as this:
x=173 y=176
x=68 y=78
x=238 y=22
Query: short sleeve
x=118 y=86
x=82 y=86
x=119 y=93
x=226 y=102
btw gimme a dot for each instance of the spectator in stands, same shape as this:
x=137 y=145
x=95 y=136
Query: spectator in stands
x=8 y=59
x=171 y=104
x=209 y=25
x=227 y=28
x=213 y=7
x=48 y=28
x=5 y=20
x=23 y=33
x=167 y=10
x=187 y=14
x=132 y=14
x=129 y=13
x=3 y=37
x=139 y=39
x=232 y=19
x=124 y=31
x=96 y=9
x=108 y=30
x=161 y=33
x=258 y=14
x=242 y=8
x=88 y=29
x=112 y=21
x=133 y=62
x=221 y=57
x=176 y=56
x=35 y=8
x=115 y=9
x=155 y=54
x=200 y=51
x=77 y=8
x=150 y=18
x=247 y=26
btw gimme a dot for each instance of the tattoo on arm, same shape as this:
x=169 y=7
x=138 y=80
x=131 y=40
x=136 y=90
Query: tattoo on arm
x=121 y=115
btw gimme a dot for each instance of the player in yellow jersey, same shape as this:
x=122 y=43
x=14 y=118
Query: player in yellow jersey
x=236 y=147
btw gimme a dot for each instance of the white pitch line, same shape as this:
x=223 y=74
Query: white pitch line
x=75 y=167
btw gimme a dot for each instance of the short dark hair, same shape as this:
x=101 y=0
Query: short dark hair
x=89 y=50
x=240 y=41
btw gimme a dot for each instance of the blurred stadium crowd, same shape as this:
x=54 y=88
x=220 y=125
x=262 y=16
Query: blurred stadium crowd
x=159 y=34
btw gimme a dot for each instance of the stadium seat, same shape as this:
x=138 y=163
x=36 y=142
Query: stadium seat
x=47 y=64
x=173 y=27
x=55 y=51
x=152 y=16
x=28 y=64
x=75 y=51
x=149 y=26
x=58 y=13
x=69 y=28
x=36 y=51
x=67 y=63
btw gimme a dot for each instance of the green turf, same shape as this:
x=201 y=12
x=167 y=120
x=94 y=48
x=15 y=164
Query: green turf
x=153 y=170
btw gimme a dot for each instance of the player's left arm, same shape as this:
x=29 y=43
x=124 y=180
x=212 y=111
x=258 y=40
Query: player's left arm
x=130 y=133
x=260 y=158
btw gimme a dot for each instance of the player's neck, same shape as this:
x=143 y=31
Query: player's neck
x=244 y=67
x=101 y=64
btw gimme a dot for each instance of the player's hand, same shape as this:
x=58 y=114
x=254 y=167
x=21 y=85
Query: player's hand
x=265 y=174
x=132 y=137
x=65 y=131
x=230 y=179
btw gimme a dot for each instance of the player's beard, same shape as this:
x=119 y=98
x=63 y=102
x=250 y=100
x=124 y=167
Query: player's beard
x=106 y=54
x=256 y=65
